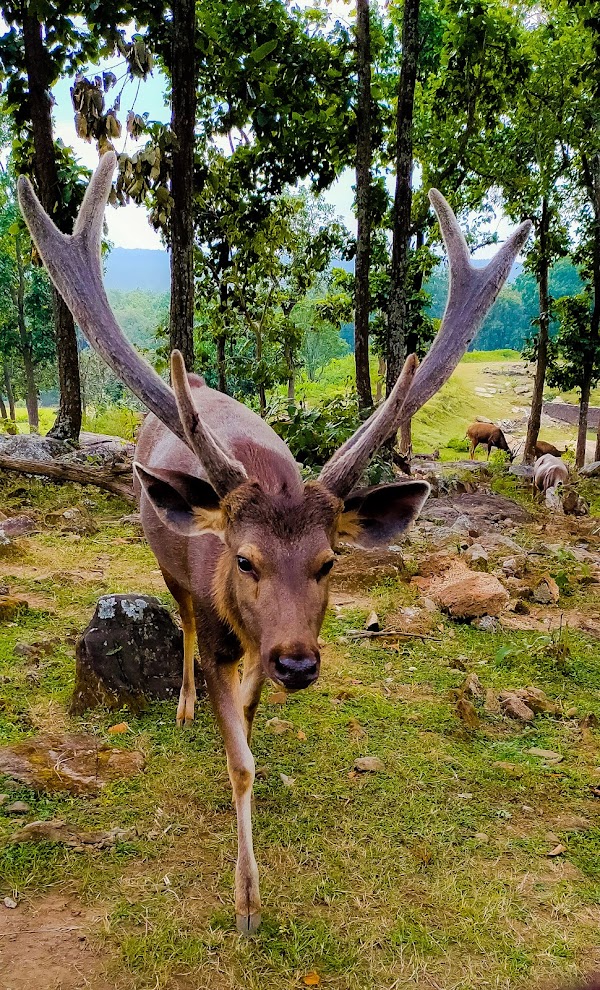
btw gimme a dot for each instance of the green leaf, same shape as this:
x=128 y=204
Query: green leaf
x=263 y=50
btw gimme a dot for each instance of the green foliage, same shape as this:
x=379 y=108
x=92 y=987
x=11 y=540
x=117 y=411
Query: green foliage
x=575 y=351
x=314 y=434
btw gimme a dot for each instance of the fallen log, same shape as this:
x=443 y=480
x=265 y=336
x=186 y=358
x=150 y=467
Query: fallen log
x=71 y=472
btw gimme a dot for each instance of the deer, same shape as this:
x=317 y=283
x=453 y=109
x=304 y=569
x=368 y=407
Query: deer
x=543 y=447
x=549 y=472
x=490 y=434
x=245 y=546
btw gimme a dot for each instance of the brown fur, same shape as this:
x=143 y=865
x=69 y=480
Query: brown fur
x=489 y=435
x=543 y=447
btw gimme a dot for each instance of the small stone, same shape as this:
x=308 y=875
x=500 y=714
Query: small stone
x=477 y=557
x=473 y=686
x=9 y=902
x=17 y=808
x=368 y=764
x=465 y=796
x=467 y=712
x=3 y=799
x=278 y=725
x=10 y=606
x=547 y=591
x=514 y=566
x=481 y=838
x=485 y=623
x=546 y=754
x=472 y=596
x=287 y=781
x=515 y=707
x=535 y=699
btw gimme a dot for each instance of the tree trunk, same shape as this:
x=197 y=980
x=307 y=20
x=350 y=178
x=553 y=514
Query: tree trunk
x=2 y=408
x=31 y=399
x=362 y=302
x=583 y=418
x=39 y=80
x=397 y=311
x=221 y=364
x=183 y=121
x=533 y=426
x=10 y=395
x=380 y=379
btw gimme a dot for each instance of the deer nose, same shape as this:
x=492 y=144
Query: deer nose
x=296 y=671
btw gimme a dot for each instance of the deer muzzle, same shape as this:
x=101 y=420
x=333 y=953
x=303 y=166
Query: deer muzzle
x=294 y=668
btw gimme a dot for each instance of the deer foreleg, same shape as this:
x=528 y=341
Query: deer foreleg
x=223 y=685
x=252 y=682
x=187 y=695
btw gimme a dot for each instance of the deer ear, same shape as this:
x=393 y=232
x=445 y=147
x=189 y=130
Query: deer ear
x=373 y=517
x=185 y=504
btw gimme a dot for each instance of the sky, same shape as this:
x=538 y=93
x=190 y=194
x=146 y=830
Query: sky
x=128 y=226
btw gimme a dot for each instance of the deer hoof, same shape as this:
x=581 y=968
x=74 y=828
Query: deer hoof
x=247 y=924
x=185 y=710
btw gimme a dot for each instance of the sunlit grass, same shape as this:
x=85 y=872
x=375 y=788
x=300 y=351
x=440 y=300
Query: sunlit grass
x=373 y=881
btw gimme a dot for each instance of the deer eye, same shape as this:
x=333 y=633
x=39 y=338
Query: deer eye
x=245 y=565
x=324 y=569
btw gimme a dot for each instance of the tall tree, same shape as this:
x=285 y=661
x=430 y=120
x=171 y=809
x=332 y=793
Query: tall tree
x=362 y=305
x=42 y=68
x=183 y=74
x=401 y=226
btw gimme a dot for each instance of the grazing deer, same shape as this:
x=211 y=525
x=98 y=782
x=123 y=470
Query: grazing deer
x=245 y=546
x=549 y=472
x=543 y=447
x=488 y=433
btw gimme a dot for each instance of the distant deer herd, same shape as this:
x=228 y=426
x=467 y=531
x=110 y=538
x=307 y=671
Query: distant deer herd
x=246 y=546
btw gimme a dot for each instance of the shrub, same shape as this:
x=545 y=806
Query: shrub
x=313 y=435
x=458 y=443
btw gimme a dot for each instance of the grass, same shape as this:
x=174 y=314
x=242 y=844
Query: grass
x=432 y=872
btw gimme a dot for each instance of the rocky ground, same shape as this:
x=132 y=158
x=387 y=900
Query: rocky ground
x=425 y=815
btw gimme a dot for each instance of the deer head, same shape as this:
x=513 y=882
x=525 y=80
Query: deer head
x=279 y=537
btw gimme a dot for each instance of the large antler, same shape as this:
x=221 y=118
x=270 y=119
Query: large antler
x=471 y=293
x=73 y=262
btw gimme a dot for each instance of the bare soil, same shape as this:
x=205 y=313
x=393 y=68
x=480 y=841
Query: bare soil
x=44 y=944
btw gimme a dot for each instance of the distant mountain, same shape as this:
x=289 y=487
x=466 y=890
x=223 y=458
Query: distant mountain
x=137 y=268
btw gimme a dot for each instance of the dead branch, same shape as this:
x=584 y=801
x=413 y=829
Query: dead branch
x=393 y=633
x=70 y=472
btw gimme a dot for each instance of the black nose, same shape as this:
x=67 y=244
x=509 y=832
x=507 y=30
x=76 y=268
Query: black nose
x=296 y=672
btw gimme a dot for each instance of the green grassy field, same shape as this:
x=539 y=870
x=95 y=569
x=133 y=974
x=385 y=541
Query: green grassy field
x=434 y=872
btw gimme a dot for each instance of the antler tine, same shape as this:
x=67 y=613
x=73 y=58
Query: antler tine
x=224 y=473
x=73 y=263
x=343 y=470
x=471 y=293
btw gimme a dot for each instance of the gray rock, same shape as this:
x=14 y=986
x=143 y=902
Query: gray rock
x=464 y=525
x=514 y=566
x=590 y=470
x=522 y=470
x=131 y=651
x=477 y=557
x=17 y=808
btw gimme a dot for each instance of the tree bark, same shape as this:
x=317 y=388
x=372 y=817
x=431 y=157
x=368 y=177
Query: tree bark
x=39 y=80
x=183 y=122
x=221 y=364
x=10 y=395
x=2 y=408
x=70 y=472
x=362 y=301
x=397 y=311
x=535 y=416
x=583 y=417
x=31 y=399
